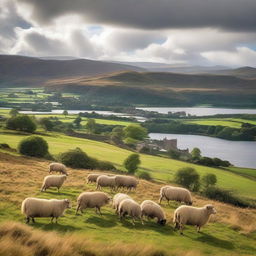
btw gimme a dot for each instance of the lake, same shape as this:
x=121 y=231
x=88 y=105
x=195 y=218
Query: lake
x=200 y=111
x=239 y=153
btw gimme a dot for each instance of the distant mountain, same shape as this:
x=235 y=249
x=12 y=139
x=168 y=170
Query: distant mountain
x=22 y=71
x=243 y=72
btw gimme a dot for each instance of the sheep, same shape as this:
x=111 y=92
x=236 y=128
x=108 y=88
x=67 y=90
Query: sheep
x=192 y=216
x=126 y=182
x=53 y=181
x=57 y=167
x=117 y=199
x=153 y=210
x=37 y=207
x=175 y=193
x=92 y=200
x=92 y=177
x=130 y=207
x=106 y=181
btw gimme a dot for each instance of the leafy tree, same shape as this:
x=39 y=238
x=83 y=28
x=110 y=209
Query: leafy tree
x=132 y=162
x=21 y=123
x=91 y=125
x=13 y=112
x=196 y=153
x=188 y=177
x=209 y=179
x=65 y=113
x=135 y=131
x=78 y=121
x=117 y=132
x=174 y=154
x=33 y=146
x=46 y=123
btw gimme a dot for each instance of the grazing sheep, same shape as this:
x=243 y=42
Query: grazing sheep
x=130 y=207
x=176 y=194
x=192 y=216
x=117 y=199
x=36 y=207
x=106 y=181
x=92 y=200
x=92 y=177
x=57 y=167
x=153 y=210
x=128 y=182
x=53 y=181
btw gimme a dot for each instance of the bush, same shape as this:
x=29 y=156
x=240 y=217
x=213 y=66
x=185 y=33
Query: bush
x=135 y=131
x=188 y=177
x=33 y=146
x=174 y=154
x=226 y=196
x=209 y=179
x=4 y=146
x=105 y=165
x=144 y=175
x=21 y=123
x=131 y=162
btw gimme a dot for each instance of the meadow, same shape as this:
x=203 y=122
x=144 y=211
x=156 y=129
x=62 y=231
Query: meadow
x=230 y=232
x=160 y=168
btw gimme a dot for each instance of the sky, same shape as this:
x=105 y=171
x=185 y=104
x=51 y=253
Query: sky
x=184 y=32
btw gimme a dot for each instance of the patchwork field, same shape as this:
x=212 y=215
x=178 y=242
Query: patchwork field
x=230 y=232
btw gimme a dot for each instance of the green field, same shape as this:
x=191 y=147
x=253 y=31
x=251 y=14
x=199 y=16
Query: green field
x=160 y=168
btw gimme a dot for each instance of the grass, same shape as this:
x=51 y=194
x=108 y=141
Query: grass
x=162 y=169
x=230 y=232
x=247 y=172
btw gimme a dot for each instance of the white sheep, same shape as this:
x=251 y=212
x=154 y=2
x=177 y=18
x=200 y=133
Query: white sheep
x=106 y=181
x=57 y=167
x=131 y=208
x=53 y=181
x=92 y=177
x=117 y=199
x=176 y=194
x=192 y=216
x=153 y=210
x=128 y=182
x=92 y=200
x=37 y=207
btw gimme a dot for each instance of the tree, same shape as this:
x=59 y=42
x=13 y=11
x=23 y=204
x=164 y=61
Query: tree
x=78 y=121
x=13 y=112
x=209 y=179
x=33 y=146
x=65 y=113
x=188 y=177
x=117 y=132
x=21 y=123
x=196 y=153
x=91 y=125
x=46 y=123
x=135 y=131
x=174 y=154
x=132 y=162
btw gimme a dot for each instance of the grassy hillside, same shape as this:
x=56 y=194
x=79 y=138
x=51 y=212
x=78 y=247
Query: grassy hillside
x=160 y=168
x=230 y=232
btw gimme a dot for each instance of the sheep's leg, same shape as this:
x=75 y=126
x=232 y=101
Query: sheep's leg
x=56 y=220
x=52 y=219
x=33 y=220
x=181 y=227
x=142 y=221
x=98 y=209
x=160 y=199
x=133 y=221
x=77 y=208
x=27 y=220
x=198 y=229
x=58 y=189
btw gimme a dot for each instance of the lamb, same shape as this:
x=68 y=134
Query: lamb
x=153 y=210
x=106 y=181
x=192 y=216
x=176 y=194
x=117 y=199
x=57 y=167
x=128 y=182
x=130 y=207
x=92 y=200
x=53 y=181
x=37 y=207
x=92 y=177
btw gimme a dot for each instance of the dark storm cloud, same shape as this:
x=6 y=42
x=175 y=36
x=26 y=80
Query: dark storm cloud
x=153 y=14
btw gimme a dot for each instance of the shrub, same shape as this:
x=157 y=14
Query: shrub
x=46 y=123
x=188 y=177
x=4 y=146
x=209 y=179
x=174 y=154
x=33 y=146
x=130 y=141
x=135 y=131
x=105 y=165
x=21 y=123
x=144 y=175
x=226 y=196
x=132 y=162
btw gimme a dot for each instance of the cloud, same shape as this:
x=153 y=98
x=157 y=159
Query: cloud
x=238 y=15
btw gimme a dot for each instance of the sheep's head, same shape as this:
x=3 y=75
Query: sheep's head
x=210 y=209
x=162 y=222
x=67 y=203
